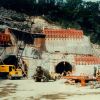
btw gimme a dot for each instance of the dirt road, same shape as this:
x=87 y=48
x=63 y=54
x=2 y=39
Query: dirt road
x=30 y=90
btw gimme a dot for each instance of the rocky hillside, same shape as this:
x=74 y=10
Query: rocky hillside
x=96 y=50
x=33 y=24
x=24 y=22
x=39 y=23
x=13 y=19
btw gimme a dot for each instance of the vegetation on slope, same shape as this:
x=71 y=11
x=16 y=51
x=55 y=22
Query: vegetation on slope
x=72 y=13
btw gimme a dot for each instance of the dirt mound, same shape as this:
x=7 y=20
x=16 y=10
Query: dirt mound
x=38 y=23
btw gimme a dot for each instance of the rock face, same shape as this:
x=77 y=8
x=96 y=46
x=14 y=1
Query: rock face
x=24 y=22
x=14 y=19
x=39 y=23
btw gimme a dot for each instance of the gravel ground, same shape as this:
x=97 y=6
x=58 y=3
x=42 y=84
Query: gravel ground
x=30 y=90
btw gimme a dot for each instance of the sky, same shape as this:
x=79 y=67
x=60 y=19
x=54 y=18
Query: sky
x=92 y=0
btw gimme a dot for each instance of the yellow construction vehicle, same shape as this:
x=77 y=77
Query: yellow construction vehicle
x=10 y=71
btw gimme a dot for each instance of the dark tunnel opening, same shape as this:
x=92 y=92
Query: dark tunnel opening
x=63 y=66
x=10 y=60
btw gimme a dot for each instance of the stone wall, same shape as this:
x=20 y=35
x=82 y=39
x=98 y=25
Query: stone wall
x=65 y=45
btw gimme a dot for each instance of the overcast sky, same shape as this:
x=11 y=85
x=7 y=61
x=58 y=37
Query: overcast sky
x=91 y=0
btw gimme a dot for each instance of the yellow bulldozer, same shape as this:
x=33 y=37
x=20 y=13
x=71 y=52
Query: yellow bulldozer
x=10 y=71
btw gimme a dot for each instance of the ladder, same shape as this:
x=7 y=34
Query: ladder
x=21 y=48
x=2 y=54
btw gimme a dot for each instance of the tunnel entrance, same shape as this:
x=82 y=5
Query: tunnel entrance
x=10 y=60
x=63 y=66
x=13 y=60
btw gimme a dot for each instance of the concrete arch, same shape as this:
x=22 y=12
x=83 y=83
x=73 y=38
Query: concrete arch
x=63 y=66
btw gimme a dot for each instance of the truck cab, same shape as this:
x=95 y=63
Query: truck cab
x=10 y=71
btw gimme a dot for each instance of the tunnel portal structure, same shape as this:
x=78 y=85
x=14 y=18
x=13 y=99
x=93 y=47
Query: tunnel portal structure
x=56 y=50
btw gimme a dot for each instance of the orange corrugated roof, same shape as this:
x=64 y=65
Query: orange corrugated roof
x=72 y=33
x=87 y=60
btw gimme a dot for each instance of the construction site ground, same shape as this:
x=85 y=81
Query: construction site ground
x=54 y=90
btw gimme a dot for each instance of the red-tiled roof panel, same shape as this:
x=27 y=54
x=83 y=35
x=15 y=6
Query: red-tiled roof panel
x=71 y=33
x=87 y=60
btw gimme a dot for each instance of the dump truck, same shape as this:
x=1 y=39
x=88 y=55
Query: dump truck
x=10 y=71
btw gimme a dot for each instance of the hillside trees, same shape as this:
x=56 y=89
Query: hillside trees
x=72 y=13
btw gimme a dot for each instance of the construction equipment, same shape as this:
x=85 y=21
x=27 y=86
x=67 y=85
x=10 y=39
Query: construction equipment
x=10 y=71
x=40 y=75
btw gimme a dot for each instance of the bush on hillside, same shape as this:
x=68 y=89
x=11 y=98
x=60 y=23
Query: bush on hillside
x=17 y=17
